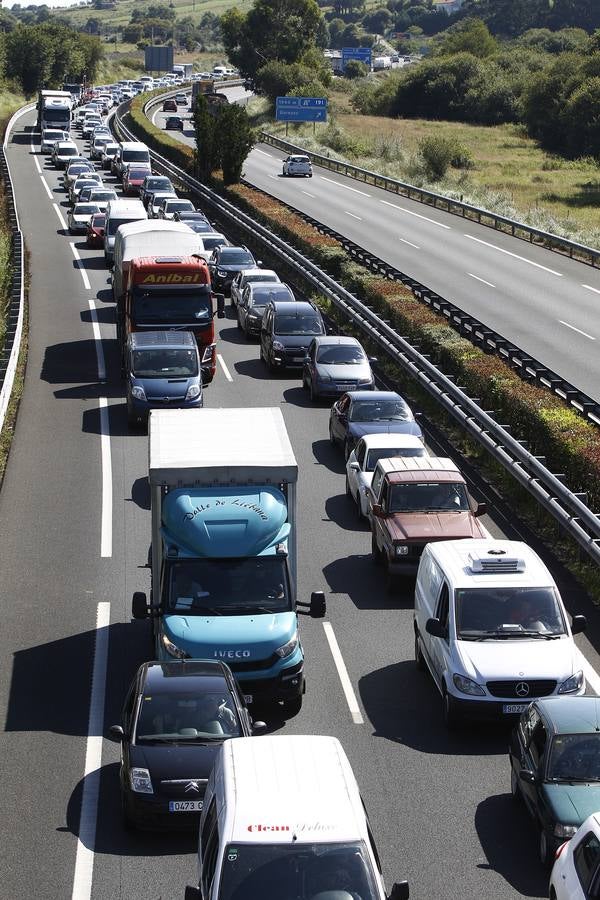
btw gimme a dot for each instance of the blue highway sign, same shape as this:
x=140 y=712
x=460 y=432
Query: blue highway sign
x=301 y=109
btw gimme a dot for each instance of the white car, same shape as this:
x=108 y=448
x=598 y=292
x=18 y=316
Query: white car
x=208 y=242
x=576 y=872
x=363 y=459
x=80 y=216
x=89 y=123
x=157 y=199
x=102 y=197
x=86 y=179
x=49 y=138
x=62 y=152
x=108 y=154
x=249 y=276
x=98 y=145
x=170 y=206
x=297 y=165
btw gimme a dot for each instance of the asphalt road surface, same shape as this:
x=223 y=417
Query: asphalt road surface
x=75 y=531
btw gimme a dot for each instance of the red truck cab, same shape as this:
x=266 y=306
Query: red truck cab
x=172 y=292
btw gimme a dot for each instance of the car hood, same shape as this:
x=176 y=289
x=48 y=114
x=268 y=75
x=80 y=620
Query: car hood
x=571 y=804
x=294 y=340
x=164 y=387
x=517 y=659
x=171 y=761
x=358 y=429
x=433 y=526
x=231 y=638
x=352 y=373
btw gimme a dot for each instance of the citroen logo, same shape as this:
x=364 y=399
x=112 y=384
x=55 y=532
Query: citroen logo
x=522 y=689
x=192 y=786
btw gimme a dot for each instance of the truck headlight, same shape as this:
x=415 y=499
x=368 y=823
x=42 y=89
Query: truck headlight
x=140 y=781
x=138 y=392
x=401 y=549
x=564 y=831
x=192 y=392
x=173 y=650
x=572 y=684
x=467 y=686
x=221 y=273
x=287 y=649
x=277 y=345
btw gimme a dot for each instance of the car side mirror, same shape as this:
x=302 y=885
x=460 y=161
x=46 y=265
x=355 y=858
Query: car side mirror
x=306 y=359
x=259 y=263
x=378 y=511
x=101 y=233
x=259 y=727
x=435 y=628
x=192 y=893
x=578 y=624
x=139 y=605
x=115 y=733
x=528 y=776
x=318 y=606
x=400 y=891
x=480 y=509
x=355 y=466
x=220 y=306
x=373 y=359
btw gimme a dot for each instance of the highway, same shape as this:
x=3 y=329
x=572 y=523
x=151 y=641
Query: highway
x=75 y=530
x=546 y=304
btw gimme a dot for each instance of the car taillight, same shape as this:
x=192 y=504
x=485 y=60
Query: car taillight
x=560 y=849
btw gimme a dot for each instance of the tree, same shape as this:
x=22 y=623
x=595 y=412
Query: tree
x=469 y=36
x=355 y=69
x=207 y=151
x=235 y=139
x=378 y=21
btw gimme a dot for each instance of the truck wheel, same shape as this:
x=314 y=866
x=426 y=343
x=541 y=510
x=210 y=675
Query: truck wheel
x=419 y=658
x=292 y=707
x=239 y=324
x=390 y=578
x=545 y=849
x=311 y=392
x=375 y=551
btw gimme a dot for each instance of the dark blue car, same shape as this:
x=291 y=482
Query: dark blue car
x=162 y=370
x=357 y=413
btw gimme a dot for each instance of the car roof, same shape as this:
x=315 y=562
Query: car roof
x=144 y=340
x=333 y=340
x=383 y=441
x=376 y=395
x=401 y=469
x=571 y=715
x=257 y=271
x=268 y=286
x=293 y=307
x=183 y=676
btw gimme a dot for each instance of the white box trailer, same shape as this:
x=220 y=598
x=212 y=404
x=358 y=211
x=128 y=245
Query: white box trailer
x=148 y=237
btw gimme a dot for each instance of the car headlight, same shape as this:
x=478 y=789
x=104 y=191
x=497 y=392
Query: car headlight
x=401 y=549
x=277 y=345
x=140 y=781
x=287 y=649
x=192 y=392
x=467 y=686
x=221 y=273
x=138 y=392
x=564 y=831
x=572 y=684
x=173 y=650
x=208 y=352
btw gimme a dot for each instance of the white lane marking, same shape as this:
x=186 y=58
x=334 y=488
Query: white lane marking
x=308 y=195
x=578 y=330
x=272 y=176
x=590 y=674
x=45 y=183
x=482 y=280
x=404 y=241
x=353 y=216
x=590 y=288
x=415 y=214
x=514 y=255
x=37 y=165
x=107 y=504
x=79 y=261
x=84 y=860
x=97 y=341
x=343 y=674
x=345 y=186
x=264 y=152
x=60 y=215
x=226 y=371
x=154 y=114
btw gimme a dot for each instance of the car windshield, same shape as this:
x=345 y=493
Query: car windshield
x=98 y=220
x=235 y=258
x=174 y=205
x=297 y=869
x=158 y=184
x=380 y=411
x=574 y=757
x=389 y=453
x=177 y=306
x=341 y=355
x=429 y=497
x=165 y=363
x=82 y=209
x=301 y=324
x=68 y=151
x=114 y=223
x=211 y=242
x=261 y=296
x=507 y=612
x=260 y=276
x=229 y=587
x=102 y=195
x=178 y=716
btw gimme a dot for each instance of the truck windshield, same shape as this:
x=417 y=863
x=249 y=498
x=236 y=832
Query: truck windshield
x=58 y=116
x=298 y=870
x=165 y=363
x=507 y=612
x=139 y=156
x=429 y=497
x=229 y=587
x=177 y=306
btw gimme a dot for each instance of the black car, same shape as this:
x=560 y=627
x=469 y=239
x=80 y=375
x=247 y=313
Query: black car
x=357 y=413
x=286 y=331
x=225 y=263
x=153 y=183
x=253 y=303
x=175 y=717
x=197 y=221
x=174 y=123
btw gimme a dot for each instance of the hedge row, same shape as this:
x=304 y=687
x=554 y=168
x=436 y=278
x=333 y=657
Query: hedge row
x=549 y=426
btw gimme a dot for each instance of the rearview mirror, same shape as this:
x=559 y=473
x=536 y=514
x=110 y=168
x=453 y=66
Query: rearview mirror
x=115 y=733
x=139 y=605
x=355 y=466
x=435 y=628
x=259 y=727
x=527 y=776
x=578 y=624
x=318 y=606
x=373 y=359
x=480 y=509
x=377 y=511
x=400 y=891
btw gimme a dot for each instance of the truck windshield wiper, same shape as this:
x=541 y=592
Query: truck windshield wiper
x=200 y=610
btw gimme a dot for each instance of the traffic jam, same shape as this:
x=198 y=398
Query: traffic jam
x=490 y=627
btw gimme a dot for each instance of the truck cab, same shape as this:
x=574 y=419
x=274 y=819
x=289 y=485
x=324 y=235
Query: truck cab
x=224 y=548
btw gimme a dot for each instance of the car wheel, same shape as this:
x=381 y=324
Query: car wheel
x=347 y=450
x=239 y=324
x=515 y=789
x=449 y=712
x=304 y=384
x=126 y=819
x=348 y=491
x=312 y=392
x=375 y=551
x=545 y=849
x=331 y=437
x=292 y=707
x=359 y=513
x=419 y=658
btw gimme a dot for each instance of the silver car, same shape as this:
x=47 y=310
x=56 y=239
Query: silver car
x=80 y=216
x=334 y=365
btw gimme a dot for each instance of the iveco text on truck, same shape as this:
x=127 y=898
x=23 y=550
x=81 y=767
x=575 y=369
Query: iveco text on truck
x=223 y=502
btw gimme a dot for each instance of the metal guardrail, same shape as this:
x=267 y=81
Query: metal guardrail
x=485 y=217
x=567 y=507
x=16 y=305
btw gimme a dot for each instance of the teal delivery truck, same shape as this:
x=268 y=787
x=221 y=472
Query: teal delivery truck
x=223 y=503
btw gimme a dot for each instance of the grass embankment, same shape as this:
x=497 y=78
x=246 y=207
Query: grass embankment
x=511 y=176
x=120 y=14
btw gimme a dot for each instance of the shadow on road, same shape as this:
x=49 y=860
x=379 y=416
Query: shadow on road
x=328 y=455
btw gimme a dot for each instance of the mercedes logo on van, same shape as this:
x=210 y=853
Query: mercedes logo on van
x=192 y=786
x=522 y=689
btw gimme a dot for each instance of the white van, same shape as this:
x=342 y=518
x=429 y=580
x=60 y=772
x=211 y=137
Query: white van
x=491 y=628
x=286 y=810
x=130 y=152
x=119 y=212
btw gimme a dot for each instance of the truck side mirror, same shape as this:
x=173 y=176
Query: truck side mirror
x=192 y=893
x=259 y=727
x=139 y=605
x=318 y=606
x=527 y=776
x=480 y=509
x=578 y=624
x=435 y=628
x=377 y=511
x=115 y=733
x=400 y=891
x=220 y=306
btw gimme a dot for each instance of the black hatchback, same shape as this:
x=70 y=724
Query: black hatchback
x=175 y=717
x=286 y=331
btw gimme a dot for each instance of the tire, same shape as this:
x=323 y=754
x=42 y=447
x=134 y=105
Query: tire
x=359 y=513
x=292 y=707
x=348 y=491
x=239 y=324
x=375 y=551
x=419 y=658
x=390 y=578
x=304 y=384
x=515 y=789
x=311 y=392
x=449 y=713
x=331 y=437
x=545 y=849
x=126 y=820
x=347 y=450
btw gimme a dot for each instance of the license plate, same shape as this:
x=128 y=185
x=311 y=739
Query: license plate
x=511 y=708
x=185 y=805
x=248 y=698
x=297 y=359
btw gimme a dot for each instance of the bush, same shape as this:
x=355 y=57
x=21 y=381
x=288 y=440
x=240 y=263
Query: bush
x=436 y=153
x=355 y=69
